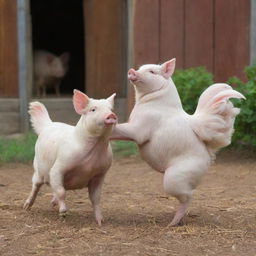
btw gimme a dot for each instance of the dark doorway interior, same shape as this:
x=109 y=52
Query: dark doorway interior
x=58 y=26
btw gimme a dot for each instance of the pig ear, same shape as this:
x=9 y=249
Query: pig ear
x=49 y=58
x=80 y=101
x=168 y=68
x=65 y=57
x=111 y=99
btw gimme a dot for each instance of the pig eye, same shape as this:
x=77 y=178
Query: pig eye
x=93 y=109
x=151 y=71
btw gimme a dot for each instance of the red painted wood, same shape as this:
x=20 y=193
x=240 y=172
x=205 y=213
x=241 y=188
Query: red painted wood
x=199 y=33
x=232 y=19
x=146 y=32
x=8 y=49
x=172 y=31
x=146 y=38
x=105 y=47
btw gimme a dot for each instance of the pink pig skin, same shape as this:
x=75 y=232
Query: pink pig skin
x=49 y=70
x=73 y=157
x=171 y=141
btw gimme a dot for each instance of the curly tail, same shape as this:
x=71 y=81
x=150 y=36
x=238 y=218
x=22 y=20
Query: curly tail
x=39 y=116
x=214 y=117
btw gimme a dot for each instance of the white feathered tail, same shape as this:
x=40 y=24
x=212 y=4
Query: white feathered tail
x=214 y=117
x=39 y=116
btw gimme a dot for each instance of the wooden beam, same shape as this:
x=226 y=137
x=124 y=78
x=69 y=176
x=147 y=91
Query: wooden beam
x=130 y=55
x=25 y=62
x=253 y=33
x=232 y=23
x=172 y=31
x=105 y=48
x=8 y=49
x=199 y=26
x=145 y=37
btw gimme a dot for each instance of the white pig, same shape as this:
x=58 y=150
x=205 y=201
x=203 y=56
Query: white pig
x=73 y=157
x=171 y=141
x=49 y=70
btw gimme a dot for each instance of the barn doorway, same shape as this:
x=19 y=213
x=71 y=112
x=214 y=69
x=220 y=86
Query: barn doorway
x=58 y=27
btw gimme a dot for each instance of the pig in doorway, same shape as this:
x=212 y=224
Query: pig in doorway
x=58 y=27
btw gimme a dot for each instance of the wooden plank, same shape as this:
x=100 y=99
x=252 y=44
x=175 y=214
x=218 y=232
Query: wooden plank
x=8 y=49
x=62 y=110
x=232 y=19
x=130 y=56
x=10 y=122
x=105 y=48
x=146 y=39
x=172 y=31
x=199 y=33
x=25 y=75
x=9 y=105
x=146 y=32
x=253 y=33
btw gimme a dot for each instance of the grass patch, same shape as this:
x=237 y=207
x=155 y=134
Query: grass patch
x=124 y=148
x=20 y=150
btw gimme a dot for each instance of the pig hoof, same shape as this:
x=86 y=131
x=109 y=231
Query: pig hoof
x=176 y=223
x=63 y=214
x=173 y=224
x=53 y=203
x=63 y=211
x=27 y=205
x=99 y=220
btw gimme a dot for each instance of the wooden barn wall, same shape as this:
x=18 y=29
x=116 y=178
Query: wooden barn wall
x=199 y=34
x=210 y=33
x=8 y=49
x=105 y=43
x=232 y=47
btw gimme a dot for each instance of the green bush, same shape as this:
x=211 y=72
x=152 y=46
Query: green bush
x=245 y=125
x=190 y=84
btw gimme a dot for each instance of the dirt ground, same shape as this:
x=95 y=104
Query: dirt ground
x=221 y=219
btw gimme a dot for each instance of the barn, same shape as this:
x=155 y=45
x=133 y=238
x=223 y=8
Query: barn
x=106 y=37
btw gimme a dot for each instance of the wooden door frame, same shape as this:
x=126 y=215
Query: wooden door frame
x=253 y=33
x=25 y=68
x=131 y=5
x=25 y=60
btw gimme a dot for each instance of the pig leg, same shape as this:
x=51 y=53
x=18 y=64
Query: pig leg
x=54 y=201
x=56 y=181
x=39 y=85
x=123 y=132
x=94 y=188
x=184 y=202
x=38 y=91
x=57 y=89
x=128 y=131
x=44 y=90
x=176 y=184
x=36 y=184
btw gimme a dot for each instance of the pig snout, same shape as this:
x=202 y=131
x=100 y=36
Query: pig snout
x=111 y=119
x=60 y=74
x=132 y=75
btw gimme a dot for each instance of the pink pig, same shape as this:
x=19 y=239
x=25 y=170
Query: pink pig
x=73 y=157
x=49 y=70
x=171 y=141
